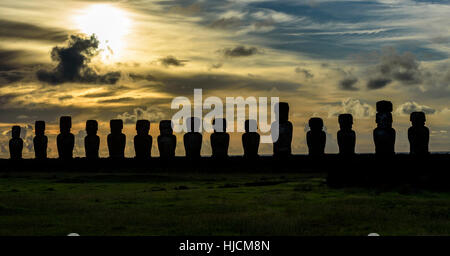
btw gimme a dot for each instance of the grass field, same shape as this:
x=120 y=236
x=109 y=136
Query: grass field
x=212 y=204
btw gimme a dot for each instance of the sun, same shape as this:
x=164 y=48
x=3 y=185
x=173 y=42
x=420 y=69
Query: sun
x=109 y=23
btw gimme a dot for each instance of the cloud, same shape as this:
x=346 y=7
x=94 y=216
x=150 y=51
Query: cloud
x=119 y=100
x=154 y=114
x=352 y=106
x=73 y=63
x=378 y=83
x=192 y=9
x=21 y=30
x=226 y=23
x=348 y=84
x=305 y=72
x=239 y=51
x=408 y=107
x=172 y=61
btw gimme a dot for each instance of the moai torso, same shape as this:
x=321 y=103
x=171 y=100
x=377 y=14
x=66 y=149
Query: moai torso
x=143 y=141
x=40 y=141
x=220 y=139
x=282 y=145
x=116 y=140
x=15 y=144
x=250 y=139
x=346 y=137
x=316 y=137
x=92 y=140
x=418 y=134
x=65 y=140
x=167 y=142
x=193 y=139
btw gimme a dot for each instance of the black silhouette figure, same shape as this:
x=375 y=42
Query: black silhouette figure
x=65 y=140
x=282 y=144
x=143 y=141
x=220 y=139
x=15 y=143
x=167 y=142
x=40 y=141
x=316 y=137
x=384 y=134
x=116 y=140
x=346 y=137
x=92 y=140
x=193 y=138
x=250 y=139
x=418 y=134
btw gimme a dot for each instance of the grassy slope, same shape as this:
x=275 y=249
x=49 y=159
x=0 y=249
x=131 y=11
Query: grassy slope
x=214 y=204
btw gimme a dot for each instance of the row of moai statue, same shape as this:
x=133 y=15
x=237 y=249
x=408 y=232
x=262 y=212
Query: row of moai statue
x=383 y=135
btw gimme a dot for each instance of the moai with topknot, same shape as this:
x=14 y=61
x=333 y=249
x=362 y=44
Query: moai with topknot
x=250 y=139
x=92 y=140
x=167 y=141
x=346 y=137
x=116 y=140
x=193 y=138
x=281 y=131
x=40 y=141
x=220 y=139
x=384 y=134
x=65 y=140
x=143 y=141
x=316 y=137
x=418 y=134
x=15 y=143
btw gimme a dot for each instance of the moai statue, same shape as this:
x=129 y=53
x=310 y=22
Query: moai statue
x=15 y=143
x=250 y=139
x=418 y=134
x=65 y=140
x=220 y=139
x=193 y=138
x=316 y=137
x=346 y=137
x=143 y=141
x=281 y=131
x=116 y=140
x=92 y=140
x=167 y=142
x=40 y=141
x=384 y=134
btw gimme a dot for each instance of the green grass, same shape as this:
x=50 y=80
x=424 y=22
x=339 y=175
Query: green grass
x=212 y=204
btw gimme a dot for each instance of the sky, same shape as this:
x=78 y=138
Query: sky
x=129 y=59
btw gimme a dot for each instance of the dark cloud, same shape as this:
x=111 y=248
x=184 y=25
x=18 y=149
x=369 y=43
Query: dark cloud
x=7 y=77
x=226 y=23
x=378 y=83
x=305 y=72
x=99 y=94
x=192 y=9
x=20 y=30
x=239 y=51
x=348 y=84
x=119 y=100
x=73 y=63
x=172 y=61
x=63 y=98
x=411 y=106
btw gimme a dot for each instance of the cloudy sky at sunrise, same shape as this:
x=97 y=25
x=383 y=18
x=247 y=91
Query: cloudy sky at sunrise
x=324 y=57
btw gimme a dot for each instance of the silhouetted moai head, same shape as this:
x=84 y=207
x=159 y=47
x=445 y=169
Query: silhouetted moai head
x=40 y=140
x=116 y=126
x=65 y=124
x=282 y=108
x=384 y=106
x=91 y=127
x=345 y=121
x=346 y=137
x=417 y=118
x=39 y=128
x=316 y=137
x=167 y=142
x=142 y=127
x=220 y=125
x=193 y=138
x=418 y=134
x=250 y=139
x=16 y=143
x=193 y=124
x=384 y=135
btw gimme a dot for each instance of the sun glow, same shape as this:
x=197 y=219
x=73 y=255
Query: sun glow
x=109 y=23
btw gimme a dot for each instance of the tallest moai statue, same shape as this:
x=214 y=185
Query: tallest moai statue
x=65 y=139
x=384 y=134
x=282 y=140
